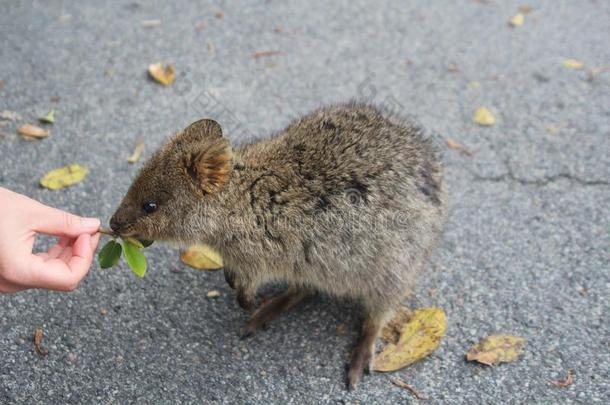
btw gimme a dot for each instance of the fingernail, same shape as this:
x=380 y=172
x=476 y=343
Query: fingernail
x=91 y=222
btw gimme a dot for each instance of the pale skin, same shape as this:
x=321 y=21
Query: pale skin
x=63 y=266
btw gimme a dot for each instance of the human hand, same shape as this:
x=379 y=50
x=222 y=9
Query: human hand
x=63 y=266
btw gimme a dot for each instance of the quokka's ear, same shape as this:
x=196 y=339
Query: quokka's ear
x=205 y=128
x=210 y=158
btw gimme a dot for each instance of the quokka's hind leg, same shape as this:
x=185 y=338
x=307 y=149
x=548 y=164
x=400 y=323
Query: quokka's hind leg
x=363 y=355
x=271 y=310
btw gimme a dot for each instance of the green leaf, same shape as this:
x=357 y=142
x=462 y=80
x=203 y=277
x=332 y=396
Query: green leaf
x=134 y=242
x=135 y=259
x=49 y=118
x=146 y=243
x=110 y=254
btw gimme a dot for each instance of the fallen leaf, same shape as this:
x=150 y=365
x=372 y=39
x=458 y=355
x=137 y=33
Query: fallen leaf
x=213 y=294
x=525 y=9
x=163 y=74
x=49 y=118
x=483 y=116
x=400 y=383
x=517 y=20
x=9 y=116
x=552 y=129
x=565 y=383
x=38 y=342
x=418 y=338
x=391 y=332
x=64 y=177
x=474 y=84
x=202 y=257
x=137 y=151
x=151 y=23
x=573 y=64
x=263 y=54
x=31 y=132
x=451 y=144
x=496 y=349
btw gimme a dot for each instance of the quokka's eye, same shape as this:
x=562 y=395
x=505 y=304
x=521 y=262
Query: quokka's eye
x=149 y=207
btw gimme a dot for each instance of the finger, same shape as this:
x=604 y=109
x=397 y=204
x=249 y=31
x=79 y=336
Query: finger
x=56 y=274
x=66 y=254
x=52 y=221
x=95 y=239
x=6 y=287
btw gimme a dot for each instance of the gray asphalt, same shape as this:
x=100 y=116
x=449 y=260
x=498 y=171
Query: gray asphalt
x=526 y=250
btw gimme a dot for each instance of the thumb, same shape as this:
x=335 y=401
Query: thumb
x=52 y=221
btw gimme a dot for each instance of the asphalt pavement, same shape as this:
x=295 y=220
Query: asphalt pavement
x=526 y=250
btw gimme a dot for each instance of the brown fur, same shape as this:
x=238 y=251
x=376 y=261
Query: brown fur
x=347 y=200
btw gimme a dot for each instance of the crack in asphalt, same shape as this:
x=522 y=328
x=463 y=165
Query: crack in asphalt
x=541 y=182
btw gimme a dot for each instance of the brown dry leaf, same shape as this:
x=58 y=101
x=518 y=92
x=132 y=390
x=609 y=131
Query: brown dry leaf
x=452 y=144
x=38 y=342
x=496 y=349
x=525 y=9
x=213 y=294
x=418 y=338
x=573 y=64
x=400 y=383
x=565 y=383
x=64 y=177
x=31 y=132
x=202 y=257
x=137 y=152
x=483 y=116
x=263 y=54
x=517 y=20
x=163 y=74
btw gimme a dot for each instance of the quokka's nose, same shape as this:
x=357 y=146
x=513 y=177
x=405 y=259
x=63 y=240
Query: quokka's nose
x=116 y=224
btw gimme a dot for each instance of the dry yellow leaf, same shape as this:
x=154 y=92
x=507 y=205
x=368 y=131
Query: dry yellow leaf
x=31 y=132
x=137 y=152
x=64 y=177
x=573 y=64
x=202 y=257
x=483 y=116
x=517 y=20
x=164 y=74
x=496 y=349
x=418 y=338
x=474 y=84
